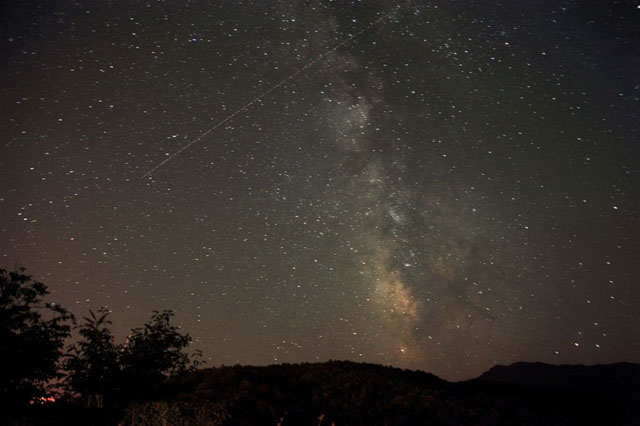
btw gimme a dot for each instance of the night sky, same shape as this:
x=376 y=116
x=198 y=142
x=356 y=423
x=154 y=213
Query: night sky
x=437 y=185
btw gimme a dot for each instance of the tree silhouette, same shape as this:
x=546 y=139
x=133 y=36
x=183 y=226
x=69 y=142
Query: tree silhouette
x=92 y=363
x=101 y=372
x=152 y=355
x=32 y=336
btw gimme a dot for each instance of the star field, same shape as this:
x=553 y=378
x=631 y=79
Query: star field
x=448 y=186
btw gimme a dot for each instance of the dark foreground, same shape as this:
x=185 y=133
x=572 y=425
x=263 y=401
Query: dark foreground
x=346 y=393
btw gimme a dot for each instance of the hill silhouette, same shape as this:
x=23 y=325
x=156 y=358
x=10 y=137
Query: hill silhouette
x=348 y=393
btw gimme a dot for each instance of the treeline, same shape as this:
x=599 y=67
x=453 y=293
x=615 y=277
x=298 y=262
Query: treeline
x=355 y=394
x=94 y=373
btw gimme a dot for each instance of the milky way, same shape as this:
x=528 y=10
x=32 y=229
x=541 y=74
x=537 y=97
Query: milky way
x=431 y=185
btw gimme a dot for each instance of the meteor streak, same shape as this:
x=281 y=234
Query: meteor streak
x=267 y=92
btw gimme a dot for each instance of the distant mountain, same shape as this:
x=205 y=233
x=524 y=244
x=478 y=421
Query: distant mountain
x=609 y=378
x=613 y=388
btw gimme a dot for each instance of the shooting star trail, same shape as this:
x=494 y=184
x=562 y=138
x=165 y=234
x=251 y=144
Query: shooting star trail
x=267 y=92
